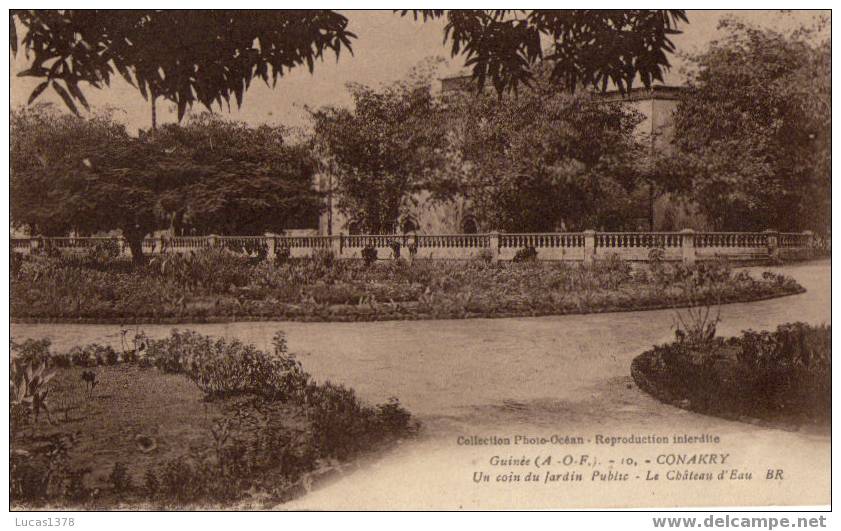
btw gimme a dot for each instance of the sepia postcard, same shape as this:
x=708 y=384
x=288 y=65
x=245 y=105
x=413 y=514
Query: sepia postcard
x=284 y=260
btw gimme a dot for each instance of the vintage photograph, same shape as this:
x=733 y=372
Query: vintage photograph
x=419 y=259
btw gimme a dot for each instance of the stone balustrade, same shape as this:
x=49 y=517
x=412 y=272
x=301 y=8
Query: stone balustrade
x=586 y=246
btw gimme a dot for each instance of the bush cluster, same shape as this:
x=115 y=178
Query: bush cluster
x=781 y=375
x=526 y=254
x=369 y=255
x=227 y=367
x=250 y=448
x=218 y=284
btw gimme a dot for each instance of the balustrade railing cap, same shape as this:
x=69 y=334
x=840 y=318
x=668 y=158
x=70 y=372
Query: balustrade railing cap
x=687 y=231
x=767 y=231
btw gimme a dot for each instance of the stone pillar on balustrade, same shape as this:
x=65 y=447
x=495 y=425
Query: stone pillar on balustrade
x=810 y=243
x=271 y=247
x=337 y=245
x=212 y=241
x=36 y=244
x=493 y=244
x=687 y=246
x=589 y=246
x=125 y=250
x=772 y=239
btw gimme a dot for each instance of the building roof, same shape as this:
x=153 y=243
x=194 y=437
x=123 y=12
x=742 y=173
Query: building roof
x=655 y=92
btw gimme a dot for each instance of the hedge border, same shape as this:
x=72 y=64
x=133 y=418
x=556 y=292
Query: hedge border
x=363 y=317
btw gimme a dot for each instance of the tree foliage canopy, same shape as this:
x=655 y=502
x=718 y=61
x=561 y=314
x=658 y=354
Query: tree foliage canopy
x=242 y=180
x=383 y=149
x=753 y=132
x=210 y=56
x=587 y=47
x=183 y=56
x=209 y=175
x=542 y=161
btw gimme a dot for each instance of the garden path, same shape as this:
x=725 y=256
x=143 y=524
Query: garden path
x=566 y=375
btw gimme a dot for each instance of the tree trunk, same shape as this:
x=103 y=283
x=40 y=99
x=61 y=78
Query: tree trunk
x=176 y=223
x=651 y=198
x=154 y=113
x=135 y=244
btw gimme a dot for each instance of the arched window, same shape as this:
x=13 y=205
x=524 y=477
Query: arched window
x=469 y=225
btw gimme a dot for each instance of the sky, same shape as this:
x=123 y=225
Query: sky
x=387 y=48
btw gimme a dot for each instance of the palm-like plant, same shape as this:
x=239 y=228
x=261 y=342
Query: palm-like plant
x=28 y=388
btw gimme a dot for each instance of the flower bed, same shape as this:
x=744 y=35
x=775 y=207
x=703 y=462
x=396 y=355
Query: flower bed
x=781 y=377
x=217 y=286
x=187 y=421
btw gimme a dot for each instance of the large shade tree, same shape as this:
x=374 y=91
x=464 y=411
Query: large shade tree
x=245 y=180
x=210 y=56
x=753 y=133
x=542 y=161
x=382 y=150
x=71 y=174
x=210 y=175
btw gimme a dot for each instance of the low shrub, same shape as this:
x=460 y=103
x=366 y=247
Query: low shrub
x=182 y=481
x=120 y=479
x=282 y=254
x=16 y=261
x=227 y=367
x=342 y=426
x=656 y=255
x=40 y=472
x=394 y=245
x=783 y=375
x=93 y=355
x=526 y=254
x=253 y=248
x=790 y=368
x=197 y=288
x=258 y=453
x=216 y=269
x=32 y=351
x=277 y=428
x=323 y=259
x=369 y=255
x=28 y=391
x=103 y=252
x=485 y=255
